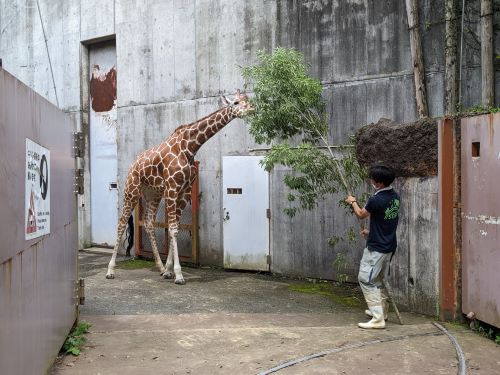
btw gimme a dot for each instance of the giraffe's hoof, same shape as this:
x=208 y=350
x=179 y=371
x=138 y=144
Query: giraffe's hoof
x=110 y=276
x=180 y=281
x=168 y=275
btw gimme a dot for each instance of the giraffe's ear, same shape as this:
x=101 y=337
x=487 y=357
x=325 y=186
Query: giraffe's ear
x=225 y=100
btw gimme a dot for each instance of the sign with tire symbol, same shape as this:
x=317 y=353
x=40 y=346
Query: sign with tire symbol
x=37 y=194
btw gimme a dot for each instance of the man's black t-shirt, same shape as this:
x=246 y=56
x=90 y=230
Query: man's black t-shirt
x=383 y=207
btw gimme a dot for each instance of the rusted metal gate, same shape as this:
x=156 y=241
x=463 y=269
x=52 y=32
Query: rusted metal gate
x=187 y=238
x=38 y=231
x=480 y=181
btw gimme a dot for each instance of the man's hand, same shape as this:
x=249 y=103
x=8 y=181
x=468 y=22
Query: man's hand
x=358 y=211
x=350 y=199
x=364 y=232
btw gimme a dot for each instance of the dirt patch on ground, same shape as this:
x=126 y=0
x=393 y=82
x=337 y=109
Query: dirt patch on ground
x=411 y=149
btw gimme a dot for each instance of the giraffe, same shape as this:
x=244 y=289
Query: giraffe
x=167 y=171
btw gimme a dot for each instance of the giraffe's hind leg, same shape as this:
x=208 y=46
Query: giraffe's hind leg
x=130 y=201
x=174 y=212
x=180 y=205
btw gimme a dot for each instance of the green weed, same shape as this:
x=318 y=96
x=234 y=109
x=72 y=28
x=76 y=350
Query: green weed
x=340 y=265
x=76 y=338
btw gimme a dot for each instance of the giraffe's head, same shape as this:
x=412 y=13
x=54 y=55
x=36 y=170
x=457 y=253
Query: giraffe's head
x=240 y=105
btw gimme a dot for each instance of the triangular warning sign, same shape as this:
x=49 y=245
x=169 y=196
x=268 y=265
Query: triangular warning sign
x=31 y=224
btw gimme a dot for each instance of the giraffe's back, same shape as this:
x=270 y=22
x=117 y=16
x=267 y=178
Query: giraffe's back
x=152 y=167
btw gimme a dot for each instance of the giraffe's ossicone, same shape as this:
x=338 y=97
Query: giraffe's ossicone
x=167 y=171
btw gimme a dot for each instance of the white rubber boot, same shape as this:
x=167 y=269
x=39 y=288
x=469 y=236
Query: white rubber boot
x=369 y=313
x=377 y=321
x=385 y=307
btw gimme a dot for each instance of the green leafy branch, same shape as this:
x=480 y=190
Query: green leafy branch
x=290 y=114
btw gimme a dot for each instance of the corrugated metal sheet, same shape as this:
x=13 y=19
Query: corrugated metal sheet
x=36 y=276
x=481 y=217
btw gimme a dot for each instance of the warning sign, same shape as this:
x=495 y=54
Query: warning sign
x=37 y=201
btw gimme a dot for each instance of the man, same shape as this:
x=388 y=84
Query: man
x=383 y=209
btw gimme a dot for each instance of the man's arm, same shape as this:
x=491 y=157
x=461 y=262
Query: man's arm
x=358 y=211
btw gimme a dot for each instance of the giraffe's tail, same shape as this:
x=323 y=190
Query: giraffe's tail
x=129 y=236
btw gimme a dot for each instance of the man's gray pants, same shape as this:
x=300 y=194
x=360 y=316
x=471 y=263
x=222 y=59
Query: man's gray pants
x=371 y=275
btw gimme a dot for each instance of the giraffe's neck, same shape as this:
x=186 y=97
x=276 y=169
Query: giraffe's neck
x=202 y=130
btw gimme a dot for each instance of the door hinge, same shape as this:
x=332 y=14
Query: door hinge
x=269 y=259
x=78 y=145
x=268 y=213
x=79 y=292
x=78 y=183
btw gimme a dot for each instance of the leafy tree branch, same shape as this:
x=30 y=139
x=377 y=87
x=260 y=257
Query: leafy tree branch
x=290 y=115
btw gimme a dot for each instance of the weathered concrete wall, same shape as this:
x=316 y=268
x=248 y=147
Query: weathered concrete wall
x=175 y=57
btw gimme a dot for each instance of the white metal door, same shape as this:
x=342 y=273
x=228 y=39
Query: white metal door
x=245 y=206
x=103 y=144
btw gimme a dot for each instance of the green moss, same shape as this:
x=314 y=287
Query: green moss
x=135 y=264
x=343 y=294
x=475 y=111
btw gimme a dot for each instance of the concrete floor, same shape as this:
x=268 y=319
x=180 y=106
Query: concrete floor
x=224 y=322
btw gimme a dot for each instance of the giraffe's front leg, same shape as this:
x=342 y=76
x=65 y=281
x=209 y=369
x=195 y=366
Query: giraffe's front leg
x=179 y=279
x=169 y=264
x=174 y=206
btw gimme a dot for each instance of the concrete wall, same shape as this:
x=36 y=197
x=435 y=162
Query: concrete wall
x=175 y=57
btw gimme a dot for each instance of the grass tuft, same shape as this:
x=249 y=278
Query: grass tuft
x=135 y=264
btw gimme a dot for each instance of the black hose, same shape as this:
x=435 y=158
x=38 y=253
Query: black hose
x=462 y=369
x=344 y=348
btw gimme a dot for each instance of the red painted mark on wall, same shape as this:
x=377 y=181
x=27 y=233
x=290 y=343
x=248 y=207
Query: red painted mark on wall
x=103 y=89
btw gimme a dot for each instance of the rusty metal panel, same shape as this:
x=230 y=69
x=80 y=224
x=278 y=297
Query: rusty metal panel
x=480 y=154
x=37 y=276
x=448 y=262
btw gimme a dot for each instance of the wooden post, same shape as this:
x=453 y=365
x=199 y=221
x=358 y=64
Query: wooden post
x=417 y=58
x=487 y=72
x=451 y=81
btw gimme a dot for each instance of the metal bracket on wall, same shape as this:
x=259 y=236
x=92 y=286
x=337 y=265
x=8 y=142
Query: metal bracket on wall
x=78 y=145
x=79 y=289
x=78 y=184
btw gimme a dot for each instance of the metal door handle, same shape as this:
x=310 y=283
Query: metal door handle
x=226 y=218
